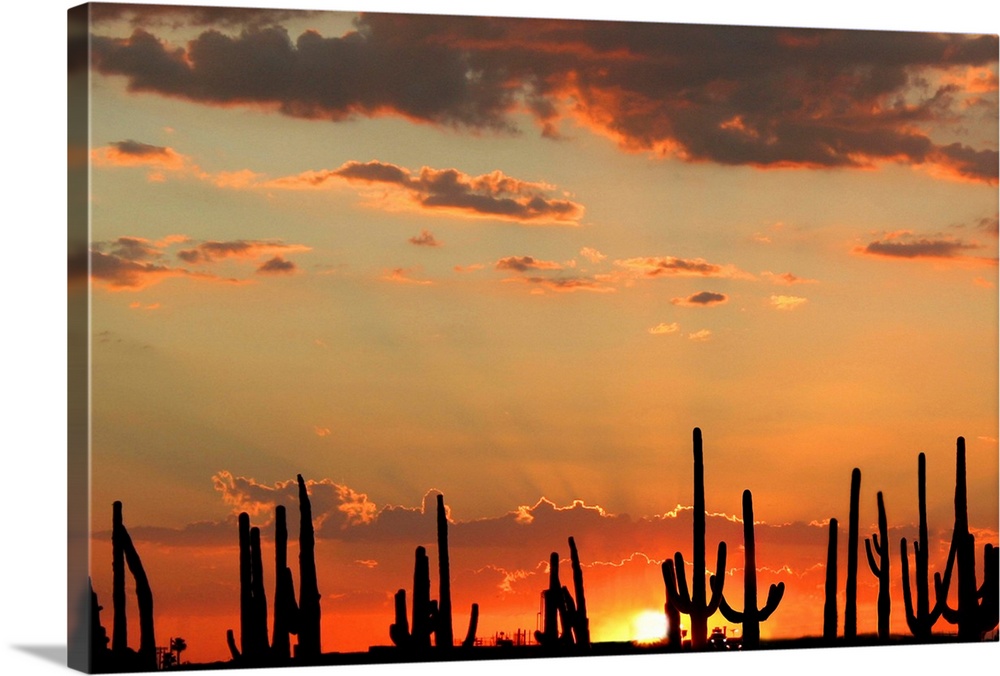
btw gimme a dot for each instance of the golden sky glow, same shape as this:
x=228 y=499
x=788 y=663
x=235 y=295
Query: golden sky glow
x=517 y=267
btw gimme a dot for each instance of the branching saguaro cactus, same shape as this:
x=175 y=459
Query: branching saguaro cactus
x=921 y=619
x=751 y=617
x=977 y=610
x=879 y=542
x=695 y=604
x=851 y=592
x=670 y=607
x=553 y=598
x=308 y=648
x=561 y=611
x=124 y=554
x=830 y=604
x=423 y=610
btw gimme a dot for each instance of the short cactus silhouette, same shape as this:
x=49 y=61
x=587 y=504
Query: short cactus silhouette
x=751 y=617
x=285 y=608
x=977 y=611
x=851 y=592
x=830 y=588
x=879 y=542
x=695 y=604
x=553 y=600
x=921 y=619
x=470 y=636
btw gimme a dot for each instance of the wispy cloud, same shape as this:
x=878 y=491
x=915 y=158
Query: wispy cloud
x=785 y=278
x=664 y=328
x=700 y=336
x=402 y=276
x=909 y=245
x=425 y=238
x=592 y=255
x=787 y=303
x=671 y=266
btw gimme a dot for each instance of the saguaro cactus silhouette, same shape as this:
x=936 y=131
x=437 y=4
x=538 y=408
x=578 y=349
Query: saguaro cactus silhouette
x=581 y=623
x=851 y=592
x=879 y=542
x=253 y=649
x=695 y=604
x=470 y=636
x=285 y=607
x=124 y=551
x=977 y=610
x=552 y=597
x=921 y=619
x=443 y=633
x=670 y=607
x=830 y=604
x=751 y=617
x=423 y=611
x=308 y=647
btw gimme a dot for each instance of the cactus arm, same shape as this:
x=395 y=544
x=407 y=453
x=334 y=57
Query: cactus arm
x=717 y=581
x=729 y=613
x=470 y=636
x=231 y=642
x=683 y=598
x=871 y=558
x=774 y=596
x=941 y=586
x=904 y=562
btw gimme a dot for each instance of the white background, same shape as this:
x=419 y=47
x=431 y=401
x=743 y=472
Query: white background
x=33 y=328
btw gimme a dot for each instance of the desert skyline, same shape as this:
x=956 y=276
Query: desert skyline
x=516 y=263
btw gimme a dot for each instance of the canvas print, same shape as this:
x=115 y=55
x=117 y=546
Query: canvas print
x=407 y=338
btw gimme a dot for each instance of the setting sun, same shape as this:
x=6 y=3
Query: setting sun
x=649 y=626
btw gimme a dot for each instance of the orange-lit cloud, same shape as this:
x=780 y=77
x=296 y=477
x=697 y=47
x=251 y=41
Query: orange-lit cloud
x=135 y=154
x=701 y=299
x=135 y=263
x=787 y=302
x=671 y=266
x=525 y=263
x=565 y=284
x=592 y=255
x=493 y=195
x=813 y=99
x=701 y=336
x=245 y=249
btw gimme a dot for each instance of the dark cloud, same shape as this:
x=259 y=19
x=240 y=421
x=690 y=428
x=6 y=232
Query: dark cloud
x=276 y=266
x=121 y=273
x=213 y=250
x=733 y=95
x=425 y=238
x=670 y=266
x=702 y=298
x=913 y=247
x=569 y=284
x=134 y=249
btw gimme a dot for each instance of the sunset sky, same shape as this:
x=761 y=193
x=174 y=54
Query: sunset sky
x=516 y=262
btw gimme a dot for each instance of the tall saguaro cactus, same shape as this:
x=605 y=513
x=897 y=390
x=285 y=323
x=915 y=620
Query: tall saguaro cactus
x=921 y=619
x=830 y=604
x=417 y=637
x=549 y=635
x=581 y=623
x=851 y=592
x=285 y=608
x=879 y=542
x=977 y=610
x=694 y=604
x=444 y=636
x=308 y=648
x=751 y=617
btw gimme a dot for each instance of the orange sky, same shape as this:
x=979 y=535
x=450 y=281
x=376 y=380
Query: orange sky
x=517 y=262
